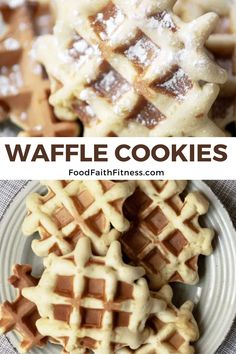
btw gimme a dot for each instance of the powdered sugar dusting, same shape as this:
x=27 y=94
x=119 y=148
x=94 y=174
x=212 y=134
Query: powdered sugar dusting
x=177 y=84
x=113 y=23
x=80 y=49
x=108 y=81
x=10 y=80
x=23 y=116
x=84 y=111
x=125 y=87
x=43 y=23
x=146 y=120
x=37 y=69
x=38 y=128
x=142 y=52
x=11 y=44
x=84 y=94
x=111 y=85
x=163 y=20
x=109 y=23
x=12 y=3
x=23 y=26
x=148 y=115
x=167 y=21
x=90 y=111
x=124 y=106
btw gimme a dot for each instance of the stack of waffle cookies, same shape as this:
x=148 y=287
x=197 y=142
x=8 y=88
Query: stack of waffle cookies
x=24 y=85
x=222 y=45
x=122 y=68
x=110 y=252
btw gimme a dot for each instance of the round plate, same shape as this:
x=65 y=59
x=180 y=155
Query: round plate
x=214 y=296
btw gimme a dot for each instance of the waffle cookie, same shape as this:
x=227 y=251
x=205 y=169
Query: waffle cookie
x=173 y=329
x=222 y=44
x=21 y=315
x=131 y=68
x=24 y=88
x=72 y=209
x=165 y=237
x=97 y=303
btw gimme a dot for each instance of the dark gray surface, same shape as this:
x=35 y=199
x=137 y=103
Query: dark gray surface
x=8 y=129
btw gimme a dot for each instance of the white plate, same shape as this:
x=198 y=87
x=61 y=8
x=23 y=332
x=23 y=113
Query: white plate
x=215 y=295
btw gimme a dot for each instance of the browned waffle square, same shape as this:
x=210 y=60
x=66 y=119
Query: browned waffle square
x=174 y=330
x=21 y=315
x=96 y=303
x=71 y=209
x=165 y=237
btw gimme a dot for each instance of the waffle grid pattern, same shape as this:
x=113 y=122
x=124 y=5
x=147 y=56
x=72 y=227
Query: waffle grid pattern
x=76 y=208
x=21 y=315
x=166 y=238
x=173 y=329
x=96 y=303
x=135 y=72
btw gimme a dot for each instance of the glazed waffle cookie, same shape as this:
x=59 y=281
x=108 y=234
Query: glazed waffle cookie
x=222 y=43
x=165 y=237
x=97 y=303
x=131 y=68
x=24 y=89
x=72 y=209
x=173 y=329
x=22 y=314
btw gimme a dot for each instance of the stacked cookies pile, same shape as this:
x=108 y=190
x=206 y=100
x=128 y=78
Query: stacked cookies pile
x=110 y=251
x=222 y=45
x=24 y=86
x=131 y=68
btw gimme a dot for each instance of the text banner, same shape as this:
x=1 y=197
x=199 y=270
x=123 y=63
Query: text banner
x=113 y=158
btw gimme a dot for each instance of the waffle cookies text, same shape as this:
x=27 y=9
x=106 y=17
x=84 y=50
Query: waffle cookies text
x=122 y=153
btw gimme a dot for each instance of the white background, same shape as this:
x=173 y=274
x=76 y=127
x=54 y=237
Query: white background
x=60 y=169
